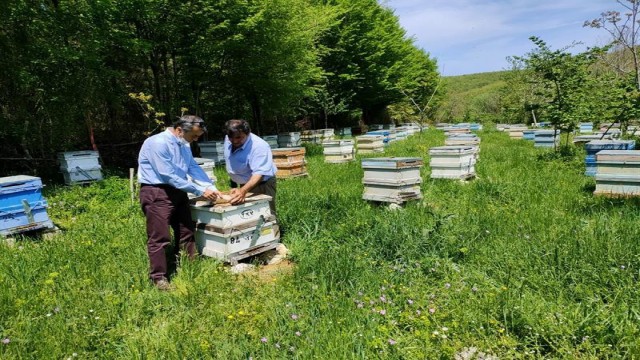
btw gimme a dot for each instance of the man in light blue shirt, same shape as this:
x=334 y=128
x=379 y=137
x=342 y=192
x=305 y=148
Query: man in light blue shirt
x=164 y=162
x=249 y=163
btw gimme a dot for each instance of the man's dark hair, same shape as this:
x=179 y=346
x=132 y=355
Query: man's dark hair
x=187 y=122
x=235 y=126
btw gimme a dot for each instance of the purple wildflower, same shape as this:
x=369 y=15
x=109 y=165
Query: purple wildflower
x=6 y=341
x=264 y=340
x=432 y=310
x=383 y=299
x=392 y=342
x=410 y=302
x=294 y=316
x=383 y=312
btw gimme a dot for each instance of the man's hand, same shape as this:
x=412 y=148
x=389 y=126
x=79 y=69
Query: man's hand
x=211 y=195
x=237 y=196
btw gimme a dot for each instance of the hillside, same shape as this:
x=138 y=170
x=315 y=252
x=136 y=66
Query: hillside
x=471 y=97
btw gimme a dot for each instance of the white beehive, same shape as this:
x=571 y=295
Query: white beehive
x=393 y=180
x=338 y=151
x=370 y=144
x=80 y=166
x=213 y=150
x=289 y=140
x=272 y=140
x=618 y=172
x=232 y=232
x=452 y=162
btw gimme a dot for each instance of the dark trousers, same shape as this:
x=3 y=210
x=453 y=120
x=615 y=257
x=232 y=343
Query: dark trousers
x=166 y=207
x=267 y=188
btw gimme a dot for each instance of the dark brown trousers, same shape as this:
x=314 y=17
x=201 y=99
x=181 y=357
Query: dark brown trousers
x=166 y=207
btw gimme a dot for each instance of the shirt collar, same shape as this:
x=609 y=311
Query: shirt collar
x=173 y=138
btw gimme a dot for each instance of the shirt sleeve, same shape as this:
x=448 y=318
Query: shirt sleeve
x=198 y=174
x=163 y=164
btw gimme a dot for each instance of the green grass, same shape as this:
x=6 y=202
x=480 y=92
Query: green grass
x=523 y=262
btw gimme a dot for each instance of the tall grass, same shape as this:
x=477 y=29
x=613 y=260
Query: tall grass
x=523 y=262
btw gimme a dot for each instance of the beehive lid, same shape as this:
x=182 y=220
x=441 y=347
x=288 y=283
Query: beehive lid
x=223 y=207
x=18 y=179
x=288 y=151
x=392 y=162
x=618 y=144
x=76 y=154
x=452 y=149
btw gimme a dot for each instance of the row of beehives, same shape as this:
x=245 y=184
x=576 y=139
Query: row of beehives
x=614 y=163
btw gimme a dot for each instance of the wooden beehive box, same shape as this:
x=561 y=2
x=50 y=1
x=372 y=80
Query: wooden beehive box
x=232 y=232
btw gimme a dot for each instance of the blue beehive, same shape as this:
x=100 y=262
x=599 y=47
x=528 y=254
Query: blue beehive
x=546 y=138
x=528 y=134
x=385 y=133
x=22 y=207
x=593 y=147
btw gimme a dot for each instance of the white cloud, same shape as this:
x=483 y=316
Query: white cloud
x=474 y=36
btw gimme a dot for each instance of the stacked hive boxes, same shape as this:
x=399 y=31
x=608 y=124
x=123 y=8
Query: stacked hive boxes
x=22 y=207
x=290 y=162
x=338 y=151
x=233 y=232
x=471 y=140
x=368 y=144
x=462 y=139
x=393 y=180
x=272 y=140
x=546 y=138
x=311 y=136
x=618 y=172
x=80 y=166
x=593 y=147
x=213 y=150
x=289 y=140
x=453 y=162
x=327 y=135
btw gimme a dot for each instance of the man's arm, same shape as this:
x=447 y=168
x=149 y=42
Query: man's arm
x=240 y=194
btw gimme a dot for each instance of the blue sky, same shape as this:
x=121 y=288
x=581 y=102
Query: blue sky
x=471 y=36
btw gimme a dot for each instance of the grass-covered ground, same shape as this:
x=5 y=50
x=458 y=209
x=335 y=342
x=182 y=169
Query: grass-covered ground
x=523 y=262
